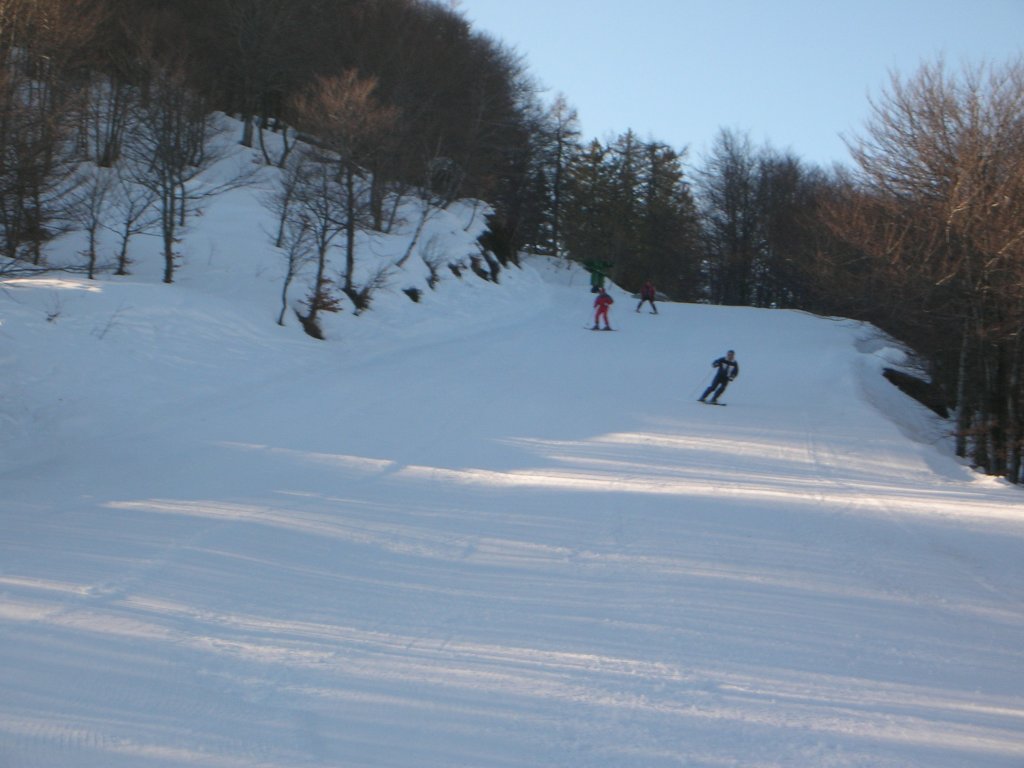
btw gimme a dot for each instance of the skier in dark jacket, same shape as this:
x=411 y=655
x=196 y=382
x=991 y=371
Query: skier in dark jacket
x=728 y=369
x=647 y=293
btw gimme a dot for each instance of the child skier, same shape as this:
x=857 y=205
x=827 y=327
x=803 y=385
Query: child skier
x=601 y=303
x=728 y=369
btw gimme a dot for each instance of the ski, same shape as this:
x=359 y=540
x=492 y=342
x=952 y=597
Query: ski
x=705 y=402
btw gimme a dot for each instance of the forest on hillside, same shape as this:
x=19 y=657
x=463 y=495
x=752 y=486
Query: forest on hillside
x=923 y=235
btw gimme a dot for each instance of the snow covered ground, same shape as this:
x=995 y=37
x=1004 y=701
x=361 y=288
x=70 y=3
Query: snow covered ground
x=468 y=532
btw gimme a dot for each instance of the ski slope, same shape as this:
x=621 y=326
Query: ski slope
x=468 y=532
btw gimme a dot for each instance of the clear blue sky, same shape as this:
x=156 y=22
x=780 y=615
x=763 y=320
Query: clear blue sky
x=795 y=74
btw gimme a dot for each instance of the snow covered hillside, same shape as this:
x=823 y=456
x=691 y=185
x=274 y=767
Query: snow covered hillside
x=468 y=532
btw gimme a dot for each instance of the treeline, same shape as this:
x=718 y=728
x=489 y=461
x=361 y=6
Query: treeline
x=922 y=235
x=79 y=78
x=932 y=221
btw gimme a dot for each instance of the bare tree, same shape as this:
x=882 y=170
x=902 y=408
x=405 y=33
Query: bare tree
x=45 y=51
x=295 y=242
x=133 y=205
x=314 y=220
x=90 y=209
x=106 y=108
x=298 y=210
x=942 y=162
x=352 y=125
x=170 y=146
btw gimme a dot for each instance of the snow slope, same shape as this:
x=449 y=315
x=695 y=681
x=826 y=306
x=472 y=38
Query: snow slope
x=468 y=532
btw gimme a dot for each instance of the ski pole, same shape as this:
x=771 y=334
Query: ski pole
x=703 y=382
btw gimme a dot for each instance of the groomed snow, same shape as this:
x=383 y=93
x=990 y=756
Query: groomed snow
x=469 y=532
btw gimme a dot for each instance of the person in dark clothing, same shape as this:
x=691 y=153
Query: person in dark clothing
x=647 y=293
x=598 y=271
x=728 y=369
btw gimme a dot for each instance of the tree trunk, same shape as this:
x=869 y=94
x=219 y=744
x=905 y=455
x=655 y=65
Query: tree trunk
x=1013 y=426
x=350 y=229
x=963 y=419
x=169 y=216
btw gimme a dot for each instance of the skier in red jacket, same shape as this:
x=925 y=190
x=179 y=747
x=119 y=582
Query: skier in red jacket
x=647 y=293
x=602 y=302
